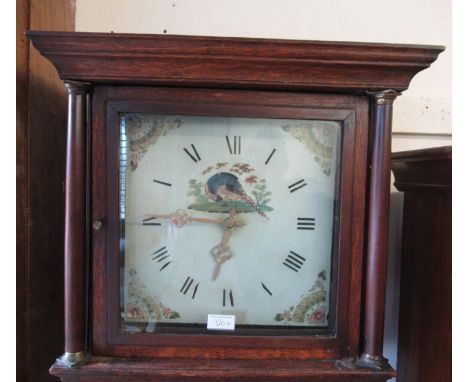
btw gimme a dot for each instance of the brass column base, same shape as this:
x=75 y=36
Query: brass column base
x=375 y=362
x=72 y=359
x=365 y=361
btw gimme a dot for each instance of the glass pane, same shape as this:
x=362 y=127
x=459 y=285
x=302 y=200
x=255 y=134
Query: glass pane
x=227 y=216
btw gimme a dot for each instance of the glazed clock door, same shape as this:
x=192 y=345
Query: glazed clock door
x=227 y=203
x=227 y=215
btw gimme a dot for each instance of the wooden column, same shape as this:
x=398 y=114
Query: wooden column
x=377 y=234
x=76 y=238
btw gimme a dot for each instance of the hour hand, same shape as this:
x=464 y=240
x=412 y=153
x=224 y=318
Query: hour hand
x=221 y=253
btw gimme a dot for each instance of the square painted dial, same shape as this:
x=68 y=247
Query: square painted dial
x=224 y=215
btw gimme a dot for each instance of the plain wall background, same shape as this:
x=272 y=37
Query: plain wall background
x=422 y=115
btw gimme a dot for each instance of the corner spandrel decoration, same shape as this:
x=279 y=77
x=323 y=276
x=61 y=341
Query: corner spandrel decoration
x=142 y=306
x=144 y=130
x=319 y=139
x=312 y=308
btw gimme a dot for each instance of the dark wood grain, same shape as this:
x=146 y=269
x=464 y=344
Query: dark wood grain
x=377 y=237
x=423 y=169
x=22 y=74
x=76 y=224
x=357 y=242
x=425 y=325
x=233 y=62
x=42 y=122
x=114 y=369
x=108 y=340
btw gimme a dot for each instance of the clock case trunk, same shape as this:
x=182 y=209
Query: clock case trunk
x=121 y=70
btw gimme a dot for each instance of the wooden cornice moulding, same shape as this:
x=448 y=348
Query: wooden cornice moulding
x=423 y=170
x=221 y=62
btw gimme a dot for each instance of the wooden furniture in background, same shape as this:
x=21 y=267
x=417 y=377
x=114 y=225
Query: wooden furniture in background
x=257 y=76
x=425 y=327
x=41 y=117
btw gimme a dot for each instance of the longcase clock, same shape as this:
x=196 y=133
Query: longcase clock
x=226 y=205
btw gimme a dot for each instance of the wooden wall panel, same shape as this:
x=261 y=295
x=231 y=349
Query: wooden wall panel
x=22 y=54
x=41 y=132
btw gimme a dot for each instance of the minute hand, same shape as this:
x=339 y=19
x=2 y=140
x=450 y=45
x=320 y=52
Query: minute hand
x=182 y=217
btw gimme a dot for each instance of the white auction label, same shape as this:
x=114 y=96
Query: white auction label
x=221 y=322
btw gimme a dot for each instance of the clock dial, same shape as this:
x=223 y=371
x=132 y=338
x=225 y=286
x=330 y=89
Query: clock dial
x=227 y=216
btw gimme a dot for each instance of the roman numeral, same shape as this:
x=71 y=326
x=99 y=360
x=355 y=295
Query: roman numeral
x=236 y=147
x=195 y=291
x=187 y=285
x=296 y=186
x=161 y=255
x=306 y=223
x=266 y=289
x=230 y=296
x=164 y=266
x=294 y=261
x=150 y=221
x=195 y=157
x=161 y=182
x=269 y=156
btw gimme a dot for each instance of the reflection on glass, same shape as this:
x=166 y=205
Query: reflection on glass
x=227 y=216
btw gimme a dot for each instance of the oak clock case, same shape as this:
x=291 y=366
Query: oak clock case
x=244 y=177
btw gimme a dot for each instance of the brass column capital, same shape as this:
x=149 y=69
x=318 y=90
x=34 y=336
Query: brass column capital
x=384 y=97
x=78 y=87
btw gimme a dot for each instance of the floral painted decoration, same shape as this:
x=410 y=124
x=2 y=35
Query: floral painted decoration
x=312 y=308
x=141 y=306
x=143 y=130
x=320 y=140
x=241 y=168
